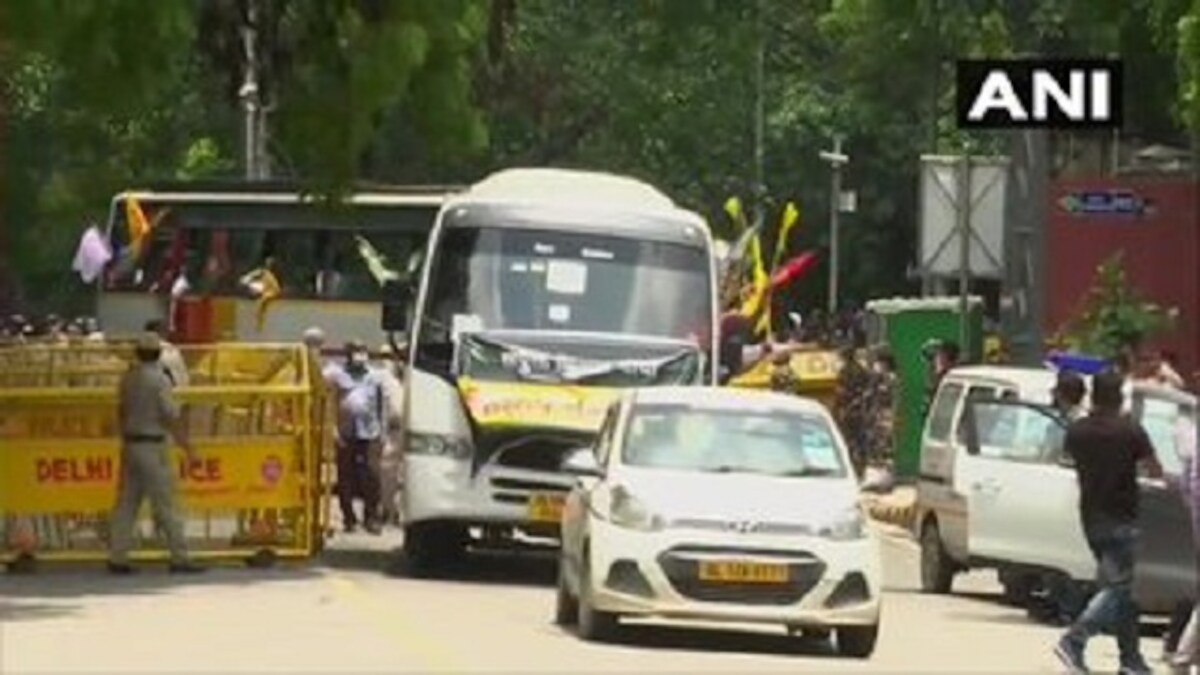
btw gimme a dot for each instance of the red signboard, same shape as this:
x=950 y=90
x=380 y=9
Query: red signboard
x=1154 y=221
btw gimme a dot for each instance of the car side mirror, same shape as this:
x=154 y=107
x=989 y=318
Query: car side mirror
x=397 y=306
x=582 y=463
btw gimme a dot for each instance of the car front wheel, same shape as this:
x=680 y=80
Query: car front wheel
x=593 y=624
x=566 y=607
x=857 y=641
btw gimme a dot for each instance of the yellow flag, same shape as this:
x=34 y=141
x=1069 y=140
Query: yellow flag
x=791 y=216
x=271 y=290
x=757 y=300
x=733 y=206
x=137 y=223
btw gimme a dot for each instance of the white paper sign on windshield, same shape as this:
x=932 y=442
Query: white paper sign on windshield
x=566 y=276
x=465 y=323
x=560 y=313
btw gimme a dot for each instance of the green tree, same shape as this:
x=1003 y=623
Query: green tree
x=104 y=94
x=1114 y=315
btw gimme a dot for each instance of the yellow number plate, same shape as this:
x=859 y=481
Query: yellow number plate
x=743 y=573
x=546 y=508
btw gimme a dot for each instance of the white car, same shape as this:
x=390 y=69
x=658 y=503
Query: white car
x=720 y=505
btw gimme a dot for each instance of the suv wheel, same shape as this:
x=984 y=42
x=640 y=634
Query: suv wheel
x=937 y=568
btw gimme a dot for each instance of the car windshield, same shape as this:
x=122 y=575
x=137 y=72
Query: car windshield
x=527 y=279
x=778 y=443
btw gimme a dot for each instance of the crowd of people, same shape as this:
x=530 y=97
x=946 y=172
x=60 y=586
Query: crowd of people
x=18 y=329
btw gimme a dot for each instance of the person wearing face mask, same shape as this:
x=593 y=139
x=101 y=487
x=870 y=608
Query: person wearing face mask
x=362 y=417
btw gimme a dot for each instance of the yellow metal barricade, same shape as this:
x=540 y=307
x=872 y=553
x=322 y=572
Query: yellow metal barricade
x=816 y=372
x=252 y=411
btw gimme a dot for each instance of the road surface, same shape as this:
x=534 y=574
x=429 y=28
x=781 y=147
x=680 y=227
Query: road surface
x=347 y=615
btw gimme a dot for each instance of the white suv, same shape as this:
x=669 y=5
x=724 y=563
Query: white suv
x=995 y=490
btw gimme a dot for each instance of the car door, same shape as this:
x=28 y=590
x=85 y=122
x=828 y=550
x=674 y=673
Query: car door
x=936 y=489
x=1166 y=568
x=1021 y=501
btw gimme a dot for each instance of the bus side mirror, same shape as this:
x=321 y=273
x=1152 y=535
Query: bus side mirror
x=397 y=305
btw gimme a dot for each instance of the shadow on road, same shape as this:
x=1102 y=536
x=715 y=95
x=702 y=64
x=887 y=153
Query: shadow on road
x=64 y=582
x=524 y=567
x=716 y=640
x=11 y=612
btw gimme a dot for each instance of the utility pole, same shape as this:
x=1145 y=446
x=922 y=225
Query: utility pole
x=836 y=161
x=965 y=206
x=759 y=116
x=249 y=93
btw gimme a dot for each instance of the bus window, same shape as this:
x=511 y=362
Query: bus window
x=295 y=261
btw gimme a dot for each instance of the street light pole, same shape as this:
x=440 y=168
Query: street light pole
x=760 y=67
x=249 y=92
x=836 y=161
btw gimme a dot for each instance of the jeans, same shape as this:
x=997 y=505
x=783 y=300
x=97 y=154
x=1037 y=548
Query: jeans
x=1112 y=609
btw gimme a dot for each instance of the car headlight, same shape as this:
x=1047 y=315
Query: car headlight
x=628 y=511
x=454 y=447
x=849 y=525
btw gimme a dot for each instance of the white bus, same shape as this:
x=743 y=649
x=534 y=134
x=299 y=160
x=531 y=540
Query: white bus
x=546 y=292
x=212 y=235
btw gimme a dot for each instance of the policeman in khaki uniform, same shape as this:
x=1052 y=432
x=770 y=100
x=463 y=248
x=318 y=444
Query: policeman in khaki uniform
x=147 y=414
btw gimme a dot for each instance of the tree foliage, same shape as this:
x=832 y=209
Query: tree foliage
x=1114 y=315
x=106 y=93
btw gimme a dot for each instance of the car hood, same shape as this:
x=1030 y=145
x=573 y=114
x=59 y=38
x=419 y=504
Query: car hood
x=740 y=496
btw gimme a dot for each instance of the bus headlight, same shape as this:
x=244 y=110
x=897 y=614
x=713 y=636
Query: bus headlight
x=454 y=447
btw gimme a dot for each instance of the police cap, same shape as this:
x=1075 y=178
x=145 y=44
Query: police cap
x=149 y=342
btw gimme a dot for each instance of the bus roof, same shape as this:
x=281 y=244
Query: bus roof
x=281 y=192
x=568 y=187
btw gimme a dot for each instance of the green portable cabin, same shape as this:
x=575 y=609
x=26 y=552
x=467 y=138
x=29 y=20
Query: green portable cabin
x=905 y=326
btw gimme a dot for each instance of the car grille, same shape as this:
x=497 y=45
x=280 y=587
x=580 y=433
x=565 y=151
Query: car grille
x=769 y=528
x=517 y=490
x=528 y=449
x=681 y=565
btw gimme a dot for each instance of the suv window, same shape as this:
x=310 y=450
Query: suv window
x=975 y=393
x=941 y=414
x=1016 y=432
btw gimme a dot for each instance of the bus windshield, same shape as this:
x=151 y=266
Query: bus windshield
x=527 y=279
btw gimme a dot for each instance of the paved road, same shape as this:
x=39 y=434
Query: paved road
x=346 y=616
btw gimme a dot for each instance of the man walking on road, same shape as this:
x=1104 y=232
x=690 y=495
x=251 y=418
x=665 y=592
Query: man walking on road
x=362 y=417
x=1107 y=448
x=147 y=414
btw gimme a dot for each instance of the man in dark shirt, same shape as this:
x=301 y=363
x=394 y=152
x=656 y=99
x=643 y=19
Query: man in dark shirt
x=1107 y=448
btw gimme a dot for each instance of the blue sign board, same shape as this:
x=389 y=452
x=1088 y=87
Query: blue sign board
x=1105 y=202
